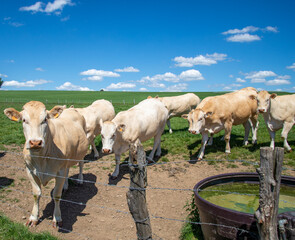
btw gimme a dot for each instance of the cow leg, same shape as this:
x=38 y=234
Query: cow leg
x=272 y=138
x=227 y=132
x=157 y=143
x=169 y=126
x=117 y=169
x=287 y=127
x=36 y=185
x=204 y=142
x=210 y=142
x=96 y=154
x=57 y=191
x=80 y=179
x=254 y=126
x=247 y=127
x=66 y=183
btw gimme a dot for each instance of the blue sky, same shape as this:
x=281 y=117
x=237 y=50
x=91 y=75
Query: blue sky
x=147 y=45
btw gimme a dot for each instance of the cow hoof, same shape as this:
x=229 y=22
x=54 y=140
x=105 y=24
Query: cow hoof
x=227 y=151
x=57 y=224
x=200 y=159
x=254 y=142
x=31 y=223
x=246 y=143
x=289 y=150
x=113 y=177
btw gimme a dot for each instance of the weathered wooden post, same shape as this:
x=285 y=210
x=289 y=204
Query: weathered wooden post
x=136 y=196
x=270 y=170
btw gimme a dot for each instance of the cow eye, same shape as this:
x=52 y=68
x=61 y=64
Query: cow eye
x=24 y=121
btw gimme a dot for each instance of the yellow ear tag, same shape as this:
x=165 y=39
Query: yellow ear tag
x=56 y=115
x=13 y=118
x=121 y=129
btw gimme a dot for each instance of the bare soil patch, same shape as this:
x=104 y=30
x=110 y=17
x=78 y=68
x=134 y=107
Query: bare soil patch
x=103 y=211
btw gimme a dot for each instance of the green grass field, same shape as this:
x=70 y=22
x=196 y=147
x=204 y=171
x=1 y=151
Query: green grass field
x=179 y=145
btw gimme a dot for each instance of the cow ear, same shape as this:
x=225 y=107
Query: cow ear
x=252 y=97
x=273 y=95
x=157 y=96
x=121 y=128
x=55 y=112
x=208 y=114
x=72 y=106
x=185 y=116
x=13 y=114
x=149 y=97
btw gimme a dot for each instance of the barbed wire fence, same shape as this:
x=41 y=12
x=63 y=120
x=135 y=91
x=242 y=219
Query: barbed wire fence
x=155 y=236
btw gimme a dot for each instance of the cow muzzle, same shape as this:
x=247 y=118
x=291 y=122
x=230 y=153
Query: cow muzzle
x=261 y=110
x=35 y=144
x=192 y=131
x=105 y=151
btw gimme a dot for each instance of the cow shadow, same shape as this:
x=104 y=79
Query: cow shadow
x=4 y=182
x=219 y=146
x=2 y=154
x=75 y=200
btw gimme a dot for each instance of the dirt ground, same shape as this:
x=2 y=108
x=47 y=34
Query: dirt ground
x=103 y=212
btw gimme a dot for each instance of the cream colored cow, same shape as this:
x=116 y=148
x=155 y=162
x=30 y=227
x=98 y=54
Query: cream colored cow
x=278 y=112
x=145 y=120
x=179 y=105
x=216 y=113
x=51 y=136
x=100 y=109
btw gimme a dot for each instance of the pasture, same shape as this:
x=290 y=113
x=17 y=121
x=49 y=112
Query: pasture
x=101 y=215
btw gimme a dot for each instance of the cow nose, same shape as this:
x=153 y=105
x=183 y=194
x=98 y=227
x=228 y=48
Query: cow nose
x=35 y=143
x=106 y=150
x=192 y=131
x=261 y=110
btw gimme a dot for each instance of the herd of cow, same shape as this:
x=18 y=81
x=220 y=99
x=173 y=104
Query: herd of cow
x=56 y=139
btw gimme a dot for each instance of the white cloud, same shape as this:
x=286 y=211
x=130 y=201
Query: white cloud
x=51 y=7
x=3 y=75
x=120 y=85
x=232 y=86
x=98 y=75
x=127 y=69
x=271 y=29
x=155 y=81
x=39 y=69
x=191 y=75
x=37 y=7
x=8 y=20
x=207 y=60
x=143 y=90
x=242 y=35
x=71 y=87
x=177 y=88
x=31 y=83
x=291 y=67
x=239 y=31
x=240 y=80
x=245 y=37
x=57 y=5
x=260 y=74
x=65 y=19
x=277 y=82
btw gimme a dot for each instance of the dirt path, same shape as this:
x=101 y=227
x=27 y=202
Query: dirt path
x=103 y=213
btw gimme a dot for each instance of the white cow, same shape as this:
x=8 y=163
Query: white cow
x=143 y=121
x=50 y=137
x=100 y=109
x=216 y=113
x=278 y=112
x=178 y=105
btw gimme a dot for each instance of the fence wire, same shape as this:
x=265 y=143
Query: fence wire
x=127 y=187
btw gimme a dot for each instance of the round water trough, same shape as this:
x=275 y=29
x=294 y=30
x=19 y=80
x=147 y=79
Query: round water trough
x=223 y=223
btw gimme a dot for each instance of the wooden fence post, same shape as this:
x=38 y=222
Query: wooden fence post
x=271 y=162
x=136 y=196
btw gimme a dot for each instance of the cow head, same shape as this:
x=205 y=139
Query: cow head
x=197 y=120
x=34 y=117
x=109 y=131
x=263 y=101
